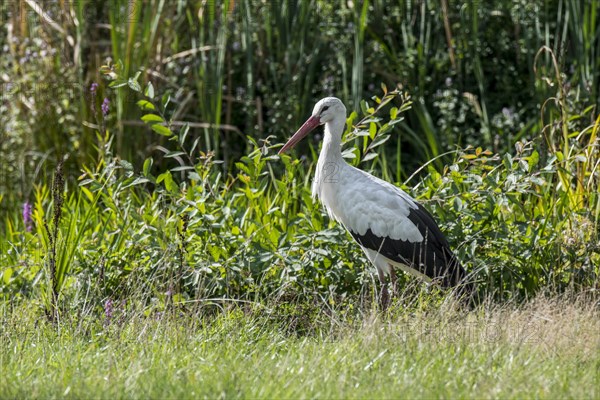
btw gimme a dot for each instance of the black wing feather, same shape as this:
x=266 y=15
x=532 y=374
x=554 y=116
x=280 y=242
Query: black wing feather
x=432 y=257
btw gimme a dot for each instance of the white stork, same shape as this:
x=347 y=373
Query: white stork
x=391 y=227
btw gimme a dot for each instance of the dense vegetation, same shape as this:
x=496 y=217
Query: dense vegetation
x=191 y=200
x=139 y=174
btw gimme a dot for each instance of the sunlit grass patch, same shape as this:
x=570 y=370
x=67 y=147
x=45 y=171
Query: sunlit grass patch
x=547 y=349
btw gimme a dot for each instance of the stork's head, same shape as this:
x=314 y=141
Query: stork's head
x=326 y=110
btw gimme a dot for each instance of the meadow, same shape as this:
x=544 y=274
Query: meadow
x=547 y=349
x=153 y=243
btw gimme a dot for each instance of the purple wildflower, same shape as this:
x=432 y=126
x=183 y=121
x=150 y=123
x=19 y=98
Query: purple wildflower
x=108 y=310
x=27 y=211
x=105 y=106
x=93 y=89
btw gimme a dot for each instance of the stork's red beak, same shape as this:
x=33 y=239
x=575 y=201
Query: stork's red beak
x=304 y=130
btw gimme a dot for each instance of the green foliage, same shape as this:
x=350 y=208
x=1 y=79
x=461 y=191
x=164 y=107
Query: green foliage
x=182 y=197
x=520 y=229
x=521 y=222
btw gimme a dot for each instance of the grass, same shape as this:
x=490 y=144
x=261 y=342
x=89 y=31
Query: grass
x=545 y=349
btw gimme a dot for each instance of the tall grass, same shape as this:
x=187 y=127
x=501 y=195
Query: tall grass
x=547 y=349
x=253 y=68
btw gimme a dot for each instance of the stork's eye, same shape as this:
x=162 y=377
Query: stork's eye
x=324 y=109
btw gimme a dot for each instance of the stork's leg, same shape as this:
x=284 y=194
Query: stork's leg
x=394 y=280
x=384 y=298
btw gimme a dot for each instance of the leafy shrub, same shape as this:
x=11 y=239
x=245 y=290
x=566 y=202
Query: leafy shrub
x=521 y=222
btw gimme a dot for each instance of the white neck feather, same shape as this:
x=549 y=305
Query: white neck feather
x=330 y=161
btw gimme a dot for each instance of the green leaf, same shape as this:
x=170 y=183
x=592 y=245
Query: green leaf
x=117 y=83
x=349 y=153
x=152 y=118
x=147 y=165
x=145 y=105
x=134 y=85
x=214 y=251
x=182 y=168
x=126 y=165
x=396 y=121
x=379 y=140
x=508 y=161
x=533 y=159
x=194 y=176
x=170 y=184
x=372 y=130
x=183 y=132
x=369 y=120
x=174 y=154
x=137 y=181
x=364 y=106
x=149 y=92
x=166 y=99
x=162 y=130
x=162 y=177
x=7 y=275
x=384 y=128
x=369 y=156
x=458 y=204
x=194 y=145
x=87 y=193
